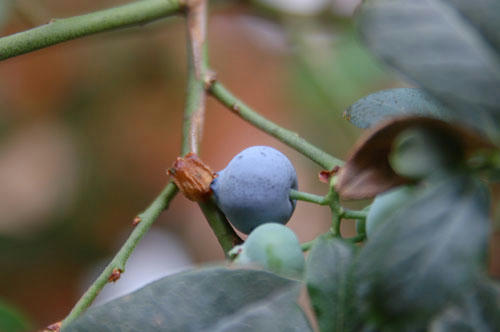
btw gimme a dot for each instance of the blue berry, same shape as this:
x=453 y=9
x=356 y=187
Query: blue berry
x=254 y=188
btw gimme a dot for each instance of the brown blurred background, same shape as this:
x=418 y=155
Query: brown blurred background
x=88 y=128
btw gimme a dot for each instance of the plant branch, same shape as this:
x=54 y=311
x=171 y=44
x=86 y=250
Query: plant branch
x=194 y=112
x=353 y=214
x=307 y=197
x=60 y=30
x=145 y=220
x=225 y=234
x=286 y=136
x=356 y=239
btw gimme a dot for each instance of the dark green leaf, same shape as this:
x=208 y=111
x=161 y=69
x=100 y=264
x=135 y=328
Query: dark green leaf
x=382 y=105
x=11 y=320
x=447 y=47
x=478 y=311
x=212 y=299
x=426 y=254
x=329 y=278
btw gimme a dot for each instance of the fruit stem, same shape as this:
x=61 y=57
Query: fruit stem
x=307 y=197
x=353 y=214
x=225 y=234
x=356 y=239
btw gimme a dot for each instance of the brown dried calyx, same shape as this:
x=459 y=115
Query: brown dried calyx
x=192 y=176
x=367 y=171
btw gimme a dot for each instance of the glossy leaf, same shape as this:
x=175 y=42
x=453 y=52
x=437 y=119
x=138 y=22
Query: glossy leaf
x=386 y=104
x=478 y=311
x=449 y=48
x=212 y=299
x=426 y=254
x=330 y=284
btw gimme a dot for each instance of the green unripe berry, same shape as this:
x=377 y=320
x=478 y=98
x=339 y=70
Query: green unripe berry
x=273 y=247
x=385 y=205
x=418 y=153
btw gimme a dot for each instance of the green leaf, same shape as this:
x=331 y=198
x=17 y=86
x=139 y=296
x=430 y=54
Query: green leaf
x=383 y=105
x=11 y=320
x=211 y=299
x=478 y=311
x=449 y=48
x=426 y=254
x=330 y=284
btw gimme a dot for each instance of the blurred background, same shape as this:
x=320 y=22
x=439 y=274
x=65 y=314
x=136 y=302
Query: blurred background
x=88 y=128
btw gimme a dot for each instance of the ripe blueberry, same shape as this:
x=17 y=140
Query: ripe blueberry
x=273 y=247
x=254 y=188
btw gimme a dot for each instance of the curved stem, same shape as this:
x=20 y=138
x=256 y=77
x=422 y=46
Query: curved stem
x=306 y=246
x=60 y=30
x=286 y=136
x=353 y=214
x=222 y=229
x=307 y=197
x=146 y=219
x=356 y=239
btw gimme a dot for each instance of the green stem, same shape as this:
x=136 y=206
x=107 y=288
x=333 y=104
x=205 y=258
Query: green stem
x=194 y=110
x=336 y=209
x=307 y=197
x=118 y=262
x=336 y=222
x=286 y=136
x=220 y=226
x=357 y=238
x=306 y=246
x=60 y=30
x=352 y=214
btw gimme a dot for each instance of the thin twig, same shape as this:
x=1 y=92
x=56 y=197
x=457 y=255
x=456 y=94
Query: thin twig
x=60 y=30
x=117 y=264
x=286 y=136
x=194 y=112
x=307 y=197
x=354 y=214
x=225 y=233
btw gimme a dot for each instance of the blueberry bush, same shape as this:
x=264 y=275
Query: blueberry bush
x=429 y=157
